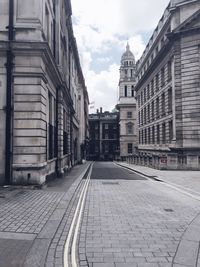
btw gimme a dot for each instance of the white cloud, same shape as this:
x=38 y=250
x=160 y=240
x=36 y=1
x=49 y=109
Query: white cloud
x=103 y=87
x=103 y=26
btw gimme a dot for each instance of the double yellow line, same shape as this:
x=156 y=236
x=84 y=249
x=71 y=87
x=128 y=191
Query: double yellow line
x=70 y=259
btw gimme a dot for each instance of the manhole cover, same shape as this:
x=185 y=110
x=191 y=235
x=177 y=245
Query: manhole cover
x=169 y=210
x=110 y=183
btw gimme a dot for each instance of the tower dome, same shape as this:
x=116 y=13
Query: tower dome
x=127 y=55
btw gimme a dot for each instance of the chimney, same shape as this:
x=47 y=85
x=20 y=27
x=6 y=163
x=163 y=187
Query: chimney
x=97 y=111
x=101 y=110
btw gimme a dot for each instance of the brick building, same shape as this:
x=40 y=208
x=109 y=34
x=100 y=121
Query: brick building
x=168 y=90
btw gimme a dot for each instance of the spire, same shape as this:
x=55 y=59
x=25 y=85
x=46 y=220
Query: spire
x=127 y=47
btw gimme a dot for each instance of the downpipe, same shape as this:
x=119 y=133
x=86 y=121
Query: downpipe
x=9 y=78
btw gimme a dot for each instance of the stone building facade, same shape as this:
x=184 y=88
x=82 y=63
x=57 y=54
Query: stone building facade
x=127 y=104
x=168 y=91
x=41 y=86
x=104 y=136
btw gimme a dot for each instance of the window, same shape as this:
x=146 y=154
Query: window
x=145 y=136
x=170 y=100
x=142 y=116
x=152 y=111
x=132 y=91
x=152 y=87
x=153 y=135
x=96 y=126
x=96 y=149
x=148 y=113
x=130 y=148
x=129 y=115
x=106 y=148
x=65 y=133
x=158 y=134
x=142 y=100
x=129 y=128
x=170 y=131
x=163 y=76
x=145 y=115
x=163 y=133
x=139 y=101
x=157 y=107
x=126 y=72
x=125 y=91
x=157 y=82
x=169 y=70
x=149 y=136
x=145 y=95
x=148 y=91
x=106 y=126
x=131 y=73
x=51 y=128
x=106 y=136
x=163 y=104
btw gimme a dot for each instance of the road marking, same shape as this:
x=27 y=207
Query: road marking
x=75 y=225
x=178 y=188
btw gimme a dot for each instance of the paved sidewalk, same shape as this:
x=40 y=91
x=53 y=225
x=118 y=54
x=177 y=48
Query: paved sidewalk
x=30 y=220
x=190 y=180
x=188 y=250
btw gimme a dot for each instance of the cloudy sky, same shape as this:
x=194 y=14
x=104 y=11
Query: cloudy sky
x=102 y=28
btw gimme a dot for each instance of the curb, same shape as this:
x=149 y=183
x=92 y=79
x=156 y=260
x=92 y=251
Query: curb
x=187 y=253
x=39 y=257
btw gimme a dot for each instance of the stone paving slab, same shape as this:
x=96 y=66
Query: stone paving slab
x=190 y=180
x=31 y=218
x=135 y=222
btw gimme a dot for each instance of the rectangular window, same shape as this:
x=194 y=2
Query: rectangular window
x=170 y=100
x=130 y=148
x=157 y=107
x=129 y=128
x=163 y=104
x=169 y=70
x=145 y=115
x=170 y=131
x=125 y=91
x=157 y=82
x=152 y=111
x=148 y=113
x=129 y=115
x=153 y=135
x=152 y=87
x=158 y=134
x=163 y=76
x=106 y=126
x=163 y=133
x=149 y=136
x=65 y=133
x=148 y=92
x=145 y=95
x=132 y=91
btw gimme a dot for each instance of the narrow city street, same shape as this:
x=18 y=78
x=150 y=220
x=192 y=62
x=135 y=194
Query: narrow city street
x=100 y=215
x=132 y=221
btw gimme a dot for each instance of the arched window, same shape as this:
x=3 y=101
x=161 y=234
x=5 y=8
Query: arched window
x=129 y=128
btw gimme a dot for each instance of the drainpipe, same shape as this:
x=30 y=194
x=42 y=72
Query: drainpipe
x=9 y=67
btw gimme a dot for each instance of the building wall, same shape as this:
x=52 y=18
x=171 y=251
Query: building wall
x=45 y=108
x=167 y=93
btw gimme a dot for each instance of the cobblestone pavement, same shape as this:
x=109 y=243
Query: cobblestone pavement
x=133 y=222
x=30 y=221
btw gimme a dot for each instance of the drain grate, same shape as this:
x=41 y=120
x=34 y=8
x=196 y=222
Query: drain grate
x=110 y=183
x=169 y=210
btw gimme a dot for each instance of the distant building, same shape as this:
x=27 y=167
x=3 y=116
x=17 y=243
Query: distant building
x=103 y=136
x=127 y=104
x=43 y=97
x=168 y=92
